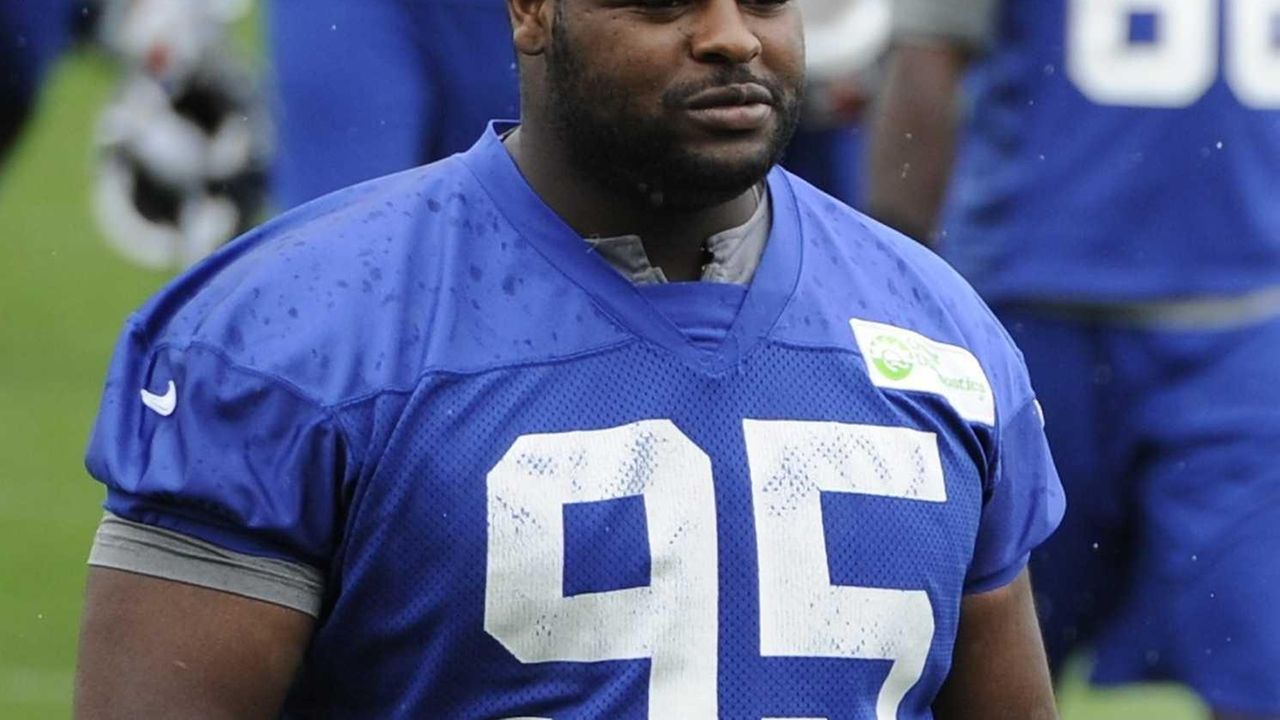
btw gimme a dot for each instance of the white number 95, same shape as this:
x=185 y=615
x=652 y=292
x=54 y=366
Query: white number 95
x=673 y=621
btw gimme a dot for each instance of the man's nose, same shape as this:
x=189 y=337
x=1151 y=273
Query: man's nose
x=722 y=34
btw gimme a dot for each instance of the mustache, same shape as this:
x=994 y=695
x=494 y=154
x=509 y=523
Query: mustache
x=679 y=96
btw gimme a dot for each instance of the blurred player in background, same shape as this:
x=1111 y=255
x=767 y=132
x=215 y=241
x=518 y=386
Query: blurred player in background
x=606 y=417
x=376 y=86
x=372 y=87
x=1118 y=200
x=32 y=35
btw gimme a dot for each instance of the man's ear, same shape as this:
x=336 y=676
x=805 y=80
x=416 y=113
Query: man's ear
x=531 y=24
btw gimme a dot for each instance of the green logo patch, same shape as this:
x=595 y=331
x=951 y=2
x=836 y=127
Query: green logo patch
x=892 y=357
x=903 y=359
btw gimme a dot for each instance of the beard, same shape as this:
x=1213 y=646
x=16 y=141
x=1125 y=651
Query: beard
x=638 y=153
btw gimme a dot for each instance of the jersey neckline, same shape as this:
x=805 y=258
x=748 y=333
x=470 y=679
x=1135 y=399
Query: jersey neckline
x=767 y=295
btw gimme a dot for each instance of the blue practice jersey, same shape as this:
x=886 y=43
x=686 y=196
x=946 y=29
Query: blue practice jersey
x=1122 y=150
x=539 y=491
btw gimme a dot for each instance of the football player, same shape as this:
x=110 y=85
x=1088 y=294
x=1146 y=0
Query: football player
x=1116 y=201
x=606 y=417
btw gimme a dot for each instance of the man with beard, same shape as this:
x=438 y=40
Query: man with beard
x=606 y=417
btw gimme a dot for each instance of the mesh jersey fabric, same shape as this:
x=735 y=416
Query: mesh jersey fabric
x=1120 y=152
x=537 y=490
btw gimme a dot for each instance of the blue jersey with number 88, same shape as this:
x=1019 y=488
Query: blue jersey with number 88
x=1122 y=150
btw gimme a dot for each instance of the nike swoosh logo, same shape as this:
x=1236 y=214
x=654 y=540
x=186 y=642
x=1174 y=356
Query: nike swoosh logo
x=163 y=404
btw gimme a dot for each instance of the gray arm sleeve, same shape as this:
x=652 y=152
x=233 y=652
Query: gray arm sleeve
x=970 y=23
x=146 y=550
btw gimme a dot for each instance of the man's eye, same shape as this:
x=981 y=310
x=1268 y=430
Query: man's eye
x=661 y=5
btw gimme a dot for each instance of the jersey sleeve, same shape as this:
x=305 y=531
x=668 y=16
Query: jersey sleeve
x=969 y=23
x=1024 y=501
x=189 y=441
x=149 y=550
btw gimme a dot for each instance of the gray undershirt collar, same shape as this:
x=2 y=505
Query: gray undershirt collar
x=735 y=252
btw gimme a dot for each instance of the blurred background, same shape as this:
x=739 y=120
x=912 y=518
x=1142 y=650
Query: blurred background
x=64 y=293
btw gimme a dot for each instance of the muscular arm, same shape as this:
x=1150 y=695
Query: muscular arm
x=998 y=670
x=913 y=137
x=159 y=648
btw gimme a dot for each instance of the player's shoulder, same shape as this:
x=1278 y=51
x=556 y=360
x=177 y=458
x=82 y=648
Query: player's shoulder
x=862 y=274
x=356 y=292
x=850 y=257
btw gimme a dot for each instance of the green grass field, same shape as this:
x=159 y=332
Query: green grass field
x=63 y=297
